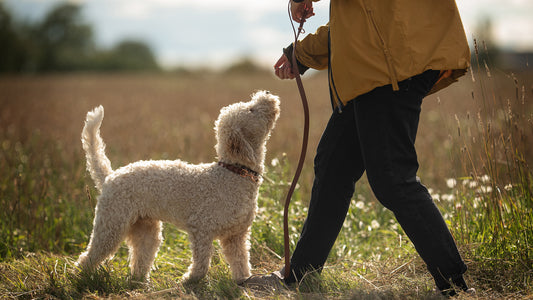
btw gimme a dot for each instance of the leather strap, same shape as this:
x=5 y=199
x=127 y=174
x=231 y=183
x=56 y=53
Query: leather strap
x=287 y=269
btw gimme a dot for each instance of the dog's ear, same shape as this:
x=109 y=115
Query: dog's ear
x=239 y=146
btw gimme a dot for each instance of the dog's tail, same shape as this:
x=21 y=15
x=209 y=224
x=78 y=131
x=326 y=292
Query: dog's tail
x=97 y=162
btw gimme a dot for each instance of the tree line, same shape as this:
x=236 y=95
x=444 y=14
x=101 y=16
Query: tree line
x=62 y=41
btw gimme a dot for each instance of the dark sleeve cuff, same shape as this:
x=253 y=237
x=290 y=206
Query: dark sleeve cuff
x=297 y=1
x=288 y=53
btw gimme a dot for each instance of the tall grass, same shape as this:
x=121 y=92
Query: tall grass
x=494 y=198
x=42 y=189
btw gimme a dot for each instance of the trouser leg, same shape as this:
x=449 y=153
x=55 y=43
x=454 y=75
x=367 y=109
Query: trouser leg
x=387 y=123
x=338 y=166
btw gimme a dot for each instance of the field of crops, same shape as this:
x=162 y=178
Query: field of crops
x=475 y=147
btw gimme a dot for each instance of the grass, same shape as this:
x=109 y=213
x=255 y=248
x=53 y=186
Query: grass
x=474 y=148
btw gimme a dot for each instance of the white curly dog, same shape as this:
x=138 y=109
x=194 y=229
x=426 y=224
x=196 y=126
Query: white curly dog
x=209 y=201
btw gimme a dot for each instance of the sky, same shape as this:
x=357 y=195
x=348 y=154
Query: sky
x=216 y=33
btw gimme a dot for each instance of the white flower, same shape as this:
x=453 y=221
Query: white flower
x=451 y=182
x=472 y=184
x=448 y=197
x=360 y=204
x=477 y=201
x=485 y=178
x=374 y=224
x=484 y=189
x=274 y=162
x=508 y=187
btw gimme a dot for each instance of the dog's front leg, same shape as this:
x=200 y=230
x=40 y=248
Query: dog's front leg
x=236 y=249
x=202 y=250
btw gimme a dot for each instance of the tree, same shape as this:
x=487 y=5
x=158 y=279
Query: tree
x=65 y=42
x=131 y=55
x=62 y=41
x=12 y=51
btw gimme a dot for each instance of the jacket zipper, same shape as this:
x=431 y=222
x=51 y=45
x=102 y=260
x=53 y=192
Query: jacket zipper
x=386 y=51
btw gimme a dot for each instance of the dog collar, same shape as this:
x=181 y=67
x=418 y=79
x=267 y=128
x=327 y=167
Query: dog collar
x=241 y=171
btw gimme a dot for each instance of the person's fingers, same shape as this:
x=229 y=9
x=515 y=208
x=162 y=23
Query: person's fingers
x=301 y=10
x=283 y=59
x=297 y=11
x=284 y=72
x=287 y=72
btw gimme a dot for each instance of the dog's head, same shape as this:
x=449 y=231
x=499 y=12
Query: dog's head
x=242 y=130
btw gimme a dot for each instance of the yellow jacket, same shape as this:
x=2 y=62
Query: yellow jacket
x=379 y=42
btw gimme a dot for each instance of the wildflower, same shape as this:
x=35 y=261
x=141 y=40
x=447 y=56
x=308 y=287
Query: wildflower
x=485 y=178
x=476 y=202
x=472 y=184
x=451 y=182
x=274 y=162
x=508 y=187
x=484 y=189
x=374 y=224
x=360 y=204
x=435 y=197
x=448 y=197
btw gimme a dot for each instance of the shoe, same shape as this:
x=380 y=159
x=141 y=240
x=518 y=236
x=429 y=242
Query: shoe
x=268 y=282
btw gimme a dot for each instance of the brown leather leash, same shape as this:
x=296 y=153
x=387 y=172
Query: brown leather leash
x=287 y=269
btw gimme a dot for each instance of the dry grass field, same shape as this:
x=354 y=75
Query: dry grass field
x=474 y=147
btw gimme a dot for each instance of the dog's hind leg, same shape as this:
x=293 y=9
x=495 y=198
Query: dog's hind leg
x=202 y=250
x=144 y=238
x=108 y=232
x=236 y=250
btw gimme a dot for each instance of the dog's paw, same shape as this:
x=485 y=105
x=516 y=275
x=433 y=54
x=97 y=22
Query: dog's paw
x=192 y=278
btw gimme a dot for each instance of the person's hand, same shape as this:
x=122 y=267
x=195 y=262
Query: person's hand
x=301 y=9
x=283 y=68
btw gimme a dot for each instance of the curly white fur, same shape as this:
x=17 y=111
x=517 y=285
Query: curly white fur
x=206 y=200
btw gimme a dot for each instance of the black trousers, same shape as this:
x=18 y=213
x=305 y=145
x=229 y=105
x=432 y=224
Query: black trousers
x=376 y=132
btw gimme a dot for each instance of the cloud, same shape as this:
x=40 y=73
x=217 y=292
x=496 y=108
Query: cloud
x=515 y=33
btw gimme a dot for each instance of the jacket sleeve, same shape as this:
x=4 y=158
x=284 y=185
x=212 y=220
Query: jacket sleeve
x=312 y=51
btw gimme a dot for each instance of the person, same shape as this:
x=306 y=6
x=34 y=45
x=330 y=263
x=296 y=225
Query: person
x=383 y=58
